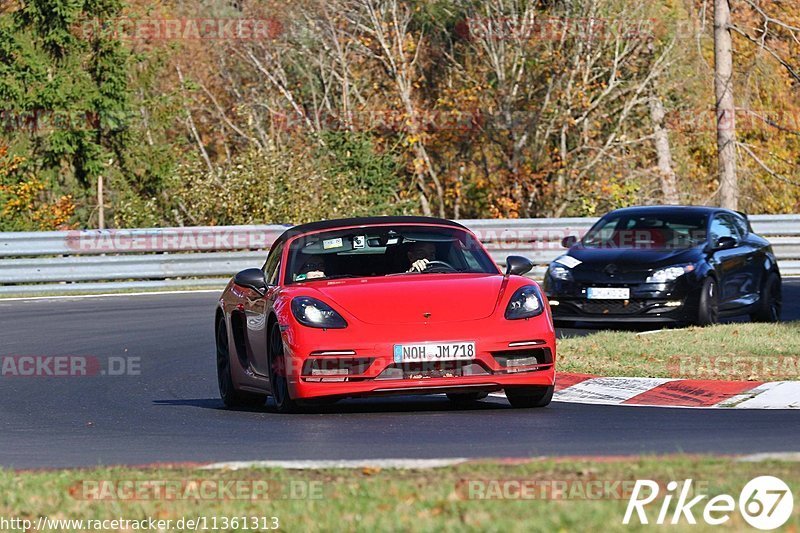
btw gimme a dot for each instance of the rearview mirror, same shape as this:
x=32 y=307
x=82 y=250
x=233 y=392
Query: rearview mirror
x=517 y=265
x=252 y=278
x=726 y=243
x=568 y=242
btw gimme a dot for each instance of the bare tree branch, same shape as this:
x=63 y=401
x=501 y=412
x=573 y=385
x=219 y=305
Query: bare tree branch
x=764 y=166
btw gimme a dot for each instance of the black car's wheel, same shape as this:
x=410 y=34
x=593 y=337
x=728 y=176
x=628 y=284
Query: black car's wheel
x=524 y=397
x=278 y=373
x=231 y=397
x=466 y=398
x=708 y=310
x=769 y=304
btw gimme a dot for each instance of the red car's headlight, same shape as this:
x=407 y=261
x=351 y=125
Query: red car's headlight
x=316 y=314
x=525 y=303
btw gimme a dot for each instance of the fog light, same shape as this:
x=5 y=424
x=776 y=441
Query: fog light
x=522 y=362
x=330 y=371
x=326 y=380
x=553 y=302
x=674 y=303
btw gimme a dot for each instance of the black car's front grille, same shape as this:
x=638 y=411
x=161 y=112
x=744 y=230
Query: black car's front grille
x=611 y=307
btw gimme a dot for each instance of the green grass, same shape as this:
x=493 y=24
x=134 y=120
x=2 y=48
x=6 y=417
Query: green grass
x=740 y=351
x=398 y=500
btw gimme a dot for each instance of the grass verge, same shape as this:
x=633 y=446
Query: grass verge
x=567 y=495
x=739 y=351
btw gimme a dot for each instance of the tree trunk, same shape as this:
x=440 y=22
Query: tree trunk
x=663 y=153
x=726 y=120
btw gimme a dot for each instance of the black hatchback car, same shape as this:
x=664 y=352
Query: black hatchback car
x=668 y=264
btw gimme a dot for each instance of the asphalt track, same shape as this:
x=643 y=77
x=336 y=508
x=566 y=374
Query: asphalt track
x=170 y=412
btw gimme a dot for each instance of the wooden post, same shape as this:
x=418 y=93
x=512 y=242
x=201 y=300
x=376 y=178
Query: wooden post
x=101 y=214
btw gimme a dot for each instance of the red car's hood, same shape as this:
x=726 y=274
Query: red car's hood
x=405 y=299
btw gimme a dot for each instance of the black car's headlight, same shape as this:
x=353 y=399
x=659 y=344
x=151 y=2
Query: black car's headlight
x=525 y=303
x=316 y=314
x=664 y=275
x=560 y=272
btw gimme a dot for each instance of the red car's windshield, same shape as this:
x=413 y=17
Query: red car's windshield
x=385 y=250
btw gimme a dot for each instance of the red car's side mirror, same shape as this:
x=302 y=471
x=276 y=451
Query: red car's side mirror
x=252 y=278
x=517 y=265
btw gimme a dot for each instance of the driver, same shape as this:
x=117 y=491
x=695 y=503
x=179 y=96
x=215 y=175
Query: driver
x=420 y=254
x=313 y=268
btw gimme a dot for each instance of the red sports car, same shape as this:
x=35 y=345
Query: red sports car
x=383 y=305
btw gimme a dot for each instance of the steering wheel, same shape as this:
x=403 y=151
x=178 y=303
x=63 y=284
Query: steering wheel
x=438 y=267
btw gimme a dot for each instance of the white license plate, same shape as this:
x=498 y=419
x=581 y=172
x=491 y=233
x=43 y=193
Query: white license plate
x=606 y=293
x=434 y=351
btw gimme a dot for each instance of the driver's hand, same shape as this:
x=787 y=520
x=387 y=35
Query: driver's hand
x=419 y=265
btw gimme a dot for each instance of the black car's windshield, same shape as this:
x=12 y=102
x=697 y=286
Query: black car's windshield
x=656 y=231
x=383 y=251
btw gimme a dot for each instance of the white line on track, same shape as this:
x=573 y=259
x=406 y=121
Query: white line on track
x=400 y=464
x=106 y=295
x=651 y=332
x=780 y=456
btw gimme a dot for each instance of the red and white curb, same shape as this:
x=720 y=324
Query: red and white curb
x=665 y=392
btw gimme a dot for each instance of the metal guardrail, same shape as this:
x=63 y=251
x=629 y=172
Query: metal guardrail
x=92 y=260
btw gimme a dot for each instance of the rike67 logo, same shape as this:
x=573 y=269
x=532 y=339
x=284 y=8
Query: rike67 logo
x=765 y=503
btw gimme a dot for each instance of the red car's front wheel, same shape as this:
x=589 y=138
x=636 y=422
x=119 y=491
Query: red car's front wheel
x=278 y=374
x=530 y=396
x=231 y=397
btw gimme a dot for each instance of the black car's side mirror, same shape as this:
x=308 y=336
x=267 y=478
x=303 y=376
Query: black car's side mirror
x=568 y=242
x=252 y=278
x=517 y=265
x=726 y=243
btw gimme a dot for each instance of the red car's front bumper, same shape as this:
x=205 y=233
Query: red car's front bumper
x=509 y=353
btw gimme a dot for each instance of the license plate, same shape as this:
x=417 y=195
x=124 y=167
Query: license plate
x=434 y=351
x=606 y=293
